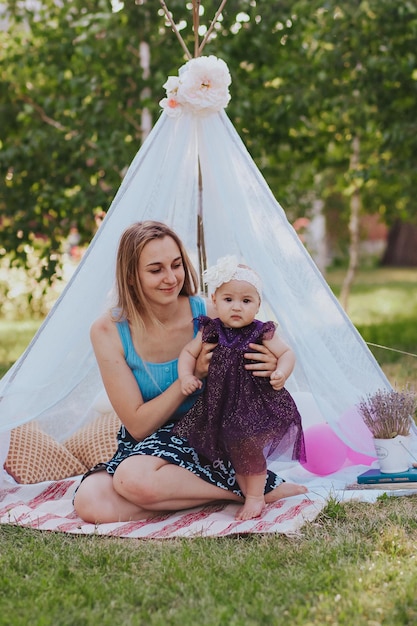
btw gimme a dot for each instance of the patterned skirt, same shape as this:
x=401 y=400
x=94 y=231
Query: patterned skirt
x=164 y=445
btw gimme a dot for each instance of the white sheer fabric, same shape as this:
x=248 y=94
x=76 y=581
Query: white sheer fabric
x=56 y=379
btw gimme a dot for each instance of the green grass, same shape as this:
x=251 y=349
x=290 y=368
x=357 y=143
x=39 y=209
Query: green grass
x=14 y=337
x=383 y=307
x=354 y=565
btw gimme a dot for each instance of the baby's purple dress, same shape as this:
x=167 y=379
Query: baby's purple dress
x=240 y=416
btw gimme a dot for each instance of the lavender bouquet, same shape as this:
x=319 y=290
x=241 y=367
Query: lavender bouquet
x=388 y=413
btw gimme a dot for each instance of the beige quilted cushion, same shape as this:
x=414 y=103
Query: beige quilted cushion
x=35 y=456
x=96 y=442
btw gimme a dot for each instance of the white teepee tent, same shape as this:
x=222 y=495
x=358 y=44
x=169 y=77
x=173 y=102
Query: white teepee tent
x=56 y=379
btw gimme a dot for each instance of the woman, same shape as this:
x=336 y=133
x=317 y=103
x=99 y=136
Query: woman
x=137 y=345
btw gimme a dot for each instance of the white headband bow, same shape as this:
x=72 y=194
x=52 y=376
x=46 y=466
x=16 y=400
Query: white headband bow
x=228 y=268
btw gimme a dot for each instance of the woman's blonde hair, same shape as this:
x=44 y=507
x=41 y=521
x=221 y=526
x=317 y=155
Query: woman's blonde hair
x=131 y=302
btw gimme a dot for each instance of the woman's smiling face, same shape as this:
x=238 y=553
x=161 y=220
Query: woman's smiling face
x=161 y=271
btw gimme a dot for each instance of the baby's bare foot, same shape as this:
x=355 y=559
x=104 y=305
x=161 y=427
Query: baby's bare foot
x=285 y=490
x=253 y=507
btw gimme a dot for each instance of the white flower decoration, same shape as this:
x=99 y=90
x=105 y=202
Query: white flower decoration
x=170 y=103
x=202 y=87
x=220 y=273
x=228 y=268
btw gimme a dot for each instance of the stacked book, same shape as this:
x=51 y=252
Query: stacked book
x=375 y=479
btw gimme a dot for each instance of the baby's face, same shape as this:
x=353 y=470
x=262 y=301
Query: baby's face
x=237 y=303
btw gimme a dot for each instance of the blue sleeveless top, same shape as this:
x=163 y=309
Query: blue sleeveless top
x=154 y=378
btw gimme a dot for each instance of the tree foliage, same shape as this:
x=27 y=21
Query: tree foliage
x=309 y=76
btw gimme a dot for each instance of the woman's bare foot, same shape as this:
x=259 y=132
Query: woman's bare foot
x=285 y=490
x=253 y=507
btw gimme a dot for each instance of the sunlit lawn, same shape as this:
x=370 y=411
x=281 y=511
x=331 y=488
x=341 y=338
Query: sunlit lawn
x=383 y=306
x=14 y=337
x=383 y=295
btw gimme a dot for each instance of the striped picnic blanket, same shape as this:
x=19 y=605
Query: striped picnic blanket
x=48 y=506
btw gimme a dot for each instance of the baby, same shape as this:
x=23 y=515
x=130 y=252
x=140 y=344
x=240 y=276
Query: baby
x=238 y=416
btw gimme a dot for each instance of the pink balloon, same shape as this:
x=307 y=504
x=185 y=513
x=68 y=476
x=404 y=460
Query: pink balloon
x=357 y=458
x=325 y=452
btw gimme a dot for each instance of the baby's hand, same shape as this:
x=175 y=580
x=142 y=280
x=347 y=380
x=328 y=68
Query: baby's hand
x=277 y=380
x=189 y=384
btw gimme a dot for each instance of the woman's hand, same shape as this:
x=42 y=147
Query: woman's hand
x=265 y=362
x=203 y=360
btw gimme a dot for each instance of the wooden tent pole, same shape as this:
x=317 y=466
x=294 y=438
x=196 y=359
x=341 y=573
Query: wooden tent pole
x=212 y=25
x=175 y=29
x=196 y=25
x=198 y=48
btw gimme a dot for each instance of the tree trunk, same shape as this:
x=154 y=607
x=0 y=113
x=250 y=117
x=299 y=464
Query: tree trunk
x=401 y=250
x=145 y=62
x=354 y=227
